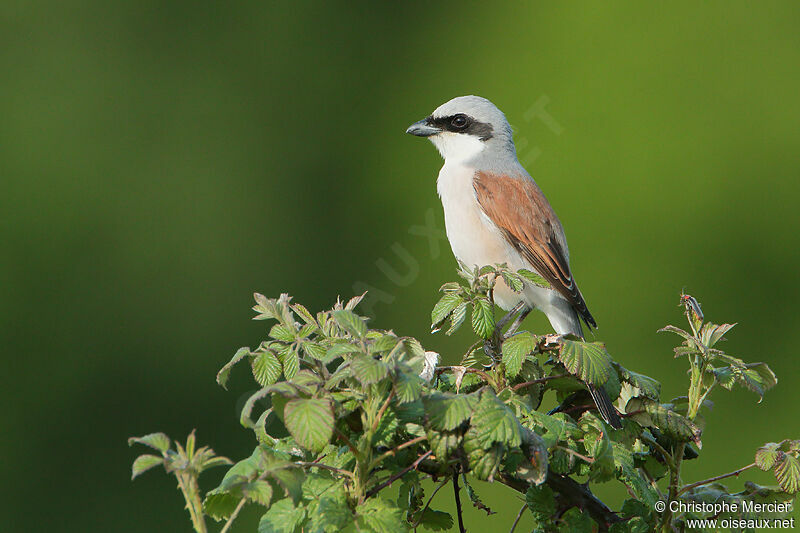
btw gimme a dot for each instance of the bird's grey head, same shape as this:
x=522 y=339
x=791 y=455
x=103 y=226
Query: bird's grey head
x=466 y=127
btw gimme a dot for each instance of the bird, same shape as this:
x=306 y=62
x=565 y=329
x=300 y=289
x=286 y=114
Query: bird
x=496 y=213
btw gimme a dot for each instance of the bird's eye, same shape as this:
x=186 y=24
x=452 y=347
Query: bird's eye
x=459 y=122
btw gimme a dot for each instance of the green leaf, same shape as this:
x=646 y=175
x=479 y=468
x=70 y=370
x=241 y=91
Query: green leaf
x=541 y=502
x=513 y=280
x=443 y=308
x=310 y=421
x=436 y=520
x=157 y=441
x=259 y=492
x=787 y=472
x=710 y=334
x=661 y=416
x=483 y=463
x=280 y=332
x=282 y=517
x=574 y=521
x=219 y=504
x=482 y=318
x=587 y=360
x=494 y=421
x=457 y=318
x=266 y=368
x=351 y=322
x=647 y=386
x=407 y=387
x=766 y=455
x=290 y=360
x=447 y=411
x=534 y=448
x=340 y=350
x=225 y=371
x=145 y=462
x=758 y=377
x=367 y=369
x=515 y=350
x=534 y=278
x=380 y=516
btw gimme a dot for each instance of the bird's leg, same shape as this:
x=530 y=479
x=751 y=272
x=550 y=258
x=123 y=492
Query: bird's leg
x=491 y=346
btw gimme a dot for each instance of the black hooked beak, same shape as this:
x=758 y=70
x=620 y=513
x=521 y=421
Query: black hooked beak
x=423 y=128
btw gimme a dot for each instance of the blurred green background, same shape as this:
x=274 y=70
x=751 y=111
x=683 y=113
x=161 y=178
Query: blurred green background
x=160 y=161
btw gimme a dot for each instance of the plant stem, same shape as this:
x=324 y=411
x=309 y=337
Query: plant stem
x=428 y=503
x=519 y=515
x=535 y=381
x=191 y=493
x=233 y=516
x=715 y=478
x=396 y=449
x=375 y=490
x=457 y=494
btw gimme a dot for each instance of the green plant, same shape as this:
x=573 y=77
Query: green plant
x=345 y=413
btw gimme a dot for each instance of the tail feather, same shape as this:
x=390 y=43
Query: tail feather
x=604 y=406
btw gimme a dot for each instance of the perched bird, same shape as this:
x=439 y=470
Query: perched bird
x=495 y=213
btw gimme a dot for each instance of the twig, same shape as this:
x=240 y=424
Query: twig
x=396 y=449
x=233 y=516
x=715 y=478
x=576 y=454
x=458 y=502
x=325 y=467
x=382 y=411
x=664 y=453
x=344 y=439
x=535 y=381
x=481 y=373
x=422 y=511
x=372 y=492
x=519 y=515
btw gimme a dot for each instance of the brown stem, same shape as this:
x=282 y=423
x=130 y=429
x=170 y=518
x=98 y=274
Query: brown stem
x=715 y=478
x=519 y=515
x=535 y=381
x=375 y=490
x=396 y=449
x=456 y=491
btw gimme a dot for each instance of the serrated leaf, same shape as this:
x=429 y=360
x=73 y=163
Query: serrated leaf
x=757 y=377
x=575 y=521
x=259 y=492
x=380 y=516
x=290 y=360
x=513 y=280
x=482 y=318
x=515 y=349
x=766 y=455
x=367 y=369
x=407 y=387
x=587 y=360
x=225 y=371
x=282 y=517
x=447 y=411
x=310 y=421
x=351 y=322
x=436 y=520
x=534 y=278
x=143 y=463
x=651 y=413
x=266 y=368
x=494 y=421
x=541 y=502
x=282 y=333
x=647 y=386
x=457 y=318
x=787 y=472
x=219 y=504
x=443 y=308
x=157 y=441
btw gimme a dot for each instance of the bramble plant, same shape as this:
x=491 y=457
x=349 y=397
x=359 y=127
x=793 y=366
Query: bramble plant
x=350 y=421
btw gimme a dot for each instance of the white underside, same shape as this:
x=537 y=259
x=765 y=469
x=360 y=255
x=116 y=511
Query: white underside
x=477 y=241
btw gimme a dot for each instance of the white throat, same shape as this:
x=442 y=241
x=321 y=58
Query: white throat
x=457 y=148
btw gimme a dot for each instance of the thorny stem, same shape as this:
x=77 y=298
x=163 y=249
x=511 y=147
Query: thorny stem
x=191 y=493
x=536 y=381
x=456 y=491
x=375 y=490
x=396 y=449
x=690 y=486
x=428 y=503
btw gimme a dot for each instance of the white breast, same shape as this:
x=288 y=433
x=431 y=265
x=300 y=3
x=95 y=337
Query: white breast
x=477 y=241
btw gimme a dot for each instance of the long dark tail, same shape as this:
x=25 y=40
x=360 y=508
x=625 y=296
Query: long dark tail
x=604 y=406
